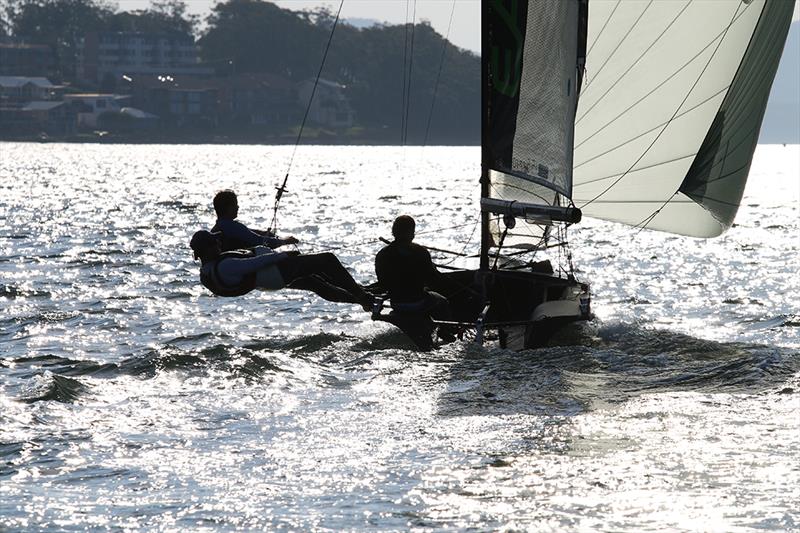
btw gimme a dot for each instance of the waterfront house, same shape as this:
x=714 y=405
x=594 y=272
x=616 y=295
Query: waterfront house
x=330 y=107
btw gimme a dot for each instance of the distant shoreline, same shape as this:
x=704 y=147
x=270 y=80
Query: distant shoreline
x=273 y=141
x=221 y=140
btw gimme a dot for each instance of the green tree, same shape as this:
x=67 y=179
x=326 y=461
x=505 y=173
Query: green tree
x=62 y=24
x=58 y=23
x=163 y=16
x=5 y=26
x=261 y=37
x=392 y=86
x=258 y=36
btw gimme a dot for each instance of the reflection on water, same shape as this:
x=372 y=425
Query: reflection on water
x=130 y=398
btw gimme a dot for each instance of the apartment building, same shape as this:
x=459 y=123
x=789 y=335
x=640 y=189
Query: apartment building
x=108 y=57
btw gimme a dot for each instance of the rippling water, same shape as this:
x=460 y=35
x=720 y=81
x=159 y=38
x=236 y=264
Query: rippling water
x=132 y=399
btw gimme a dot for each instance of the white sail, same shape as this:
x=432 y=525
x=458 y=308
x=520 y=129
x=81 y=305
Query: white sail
x=534 y=56
x=670 y=109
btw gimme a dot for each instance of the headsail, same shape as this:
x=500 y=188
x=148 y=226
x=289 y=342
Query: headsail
x=533 y=65
x=671 y=108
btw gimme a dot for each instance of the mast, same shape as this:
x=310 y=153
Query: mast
x=485 y=235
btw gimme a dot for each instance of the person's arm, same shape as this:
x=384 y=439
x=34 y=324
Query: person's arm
x=380 y=268
x=274 y=242
x=432 y=275
x=237 y=231
x=437 y=281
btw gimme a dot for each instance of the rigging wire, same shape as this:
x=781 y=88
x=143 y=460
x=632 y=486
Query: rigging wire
x=469 y=240
x=439 y=74
x=677 y=110
x=273 y=227
x=410 y=71
x=439 y=230
x=542 y=239
x=405 y=73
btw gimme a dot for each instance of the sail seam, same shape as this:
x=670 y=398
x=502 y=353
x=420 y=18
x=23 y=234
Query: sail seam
x=625 y=143
x=718 y=39
x=627 y=71
x=588 y=83
x=600 y=33
x=717 y=200
x=741 y=118
x=720 y=178
x=699 y=194
x=538 y=181
x=521 y=189
x=609 y=202
x=631 y=171
x=728 y=150
x=689 y=92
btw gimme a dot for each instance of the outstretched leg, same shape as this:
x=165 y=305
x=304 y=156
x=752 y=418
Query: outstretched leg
x=323 y=289
x=324 y=265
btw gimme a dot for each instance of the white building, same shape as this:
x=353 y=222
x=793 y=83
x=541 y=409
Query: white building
x=104 y=56
x=330 y=107
x=93 y=105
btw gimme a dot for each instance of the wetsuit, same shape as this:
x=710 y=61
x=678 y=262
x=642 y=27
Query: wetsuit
x=236 y=235
x=238 y=272
x=406 y=271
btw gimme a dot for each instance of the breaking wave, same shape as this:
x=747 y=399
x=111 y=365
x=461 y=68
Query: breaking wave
x=53 y=387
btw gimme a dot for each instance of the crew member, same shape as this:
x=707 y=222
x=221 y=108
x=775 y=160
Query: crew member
x=406 y=271
x=236 y=235
x=238 y=272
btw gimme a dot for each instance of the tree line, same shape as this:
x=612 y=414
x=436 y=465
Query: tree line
x=428 y=93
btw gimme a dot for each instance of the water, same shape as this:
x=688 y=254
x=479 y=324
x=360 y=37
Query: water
x=131 y=399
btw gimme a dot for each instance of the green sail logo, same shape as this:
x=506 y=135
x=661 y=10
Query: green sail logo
x=506 y=59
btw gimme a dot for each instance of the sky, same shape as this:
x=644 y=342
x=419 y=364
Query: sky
x=464 y=30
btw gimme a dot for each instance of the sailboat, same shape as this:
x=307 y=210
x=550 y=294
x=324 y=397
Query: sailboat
x=644 y=113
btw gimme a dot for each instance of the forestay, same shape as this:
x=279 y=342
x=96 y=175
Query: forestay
x=671 y=108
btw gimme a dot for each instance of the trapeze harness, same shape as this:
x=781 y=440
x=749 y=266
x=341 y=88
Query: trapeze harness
x=212 y=281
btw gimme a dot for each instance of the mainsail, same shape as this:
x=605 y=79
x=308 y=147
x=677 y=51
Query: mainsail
x=671 y=108
x=533 y=55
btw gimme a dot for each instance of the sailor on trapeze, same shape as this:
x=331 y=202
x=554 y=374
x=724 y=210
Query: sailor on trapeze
x=234 y=272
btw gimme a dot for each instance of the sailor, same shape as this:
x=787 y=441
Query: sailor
x=234 y=273
x=406 y=271
x=236 y=235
